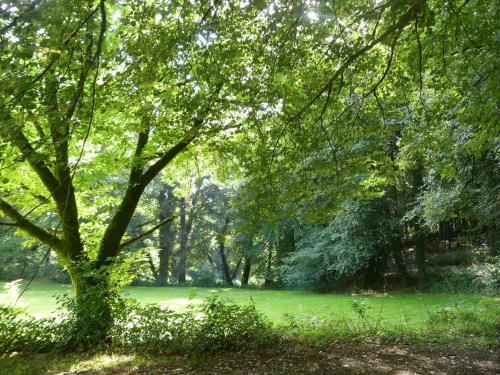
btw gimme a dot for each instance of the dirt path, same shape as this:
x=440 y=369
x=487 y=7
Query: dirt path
x=337 y=358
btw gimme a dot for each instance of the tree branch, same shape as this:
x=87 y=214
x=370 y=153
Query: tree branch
x=166 y=158
x=12 y=132
x=21 y=222
x=402 y=22
x=147 y=233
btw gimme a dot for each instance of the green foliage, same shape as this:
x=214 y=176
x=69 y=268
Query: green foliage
x=479 y=277
x=20 y=332
x=458 y=321
x=344 y=249
x=212 y=326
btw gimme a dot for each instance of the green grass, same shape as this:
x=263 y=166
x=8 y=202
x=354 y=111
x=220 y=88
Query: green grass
x=410 y=309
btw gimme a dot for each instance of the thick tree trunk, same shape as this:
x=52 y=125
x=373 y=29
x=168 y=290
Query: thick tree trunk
x=246 y=271
x=92 y=310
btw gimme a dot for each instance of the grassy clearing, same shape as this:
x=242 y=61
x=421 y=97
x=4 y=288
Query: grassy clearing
x=408 y=309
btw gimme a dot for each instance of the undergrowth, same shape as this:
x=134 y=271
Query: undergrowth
x=218 y=325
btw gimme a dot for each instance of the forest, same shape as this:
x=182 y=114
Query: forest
x=249 y=186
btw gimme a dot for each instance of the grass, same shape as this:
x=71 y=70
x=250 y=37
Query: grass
x=410 y=309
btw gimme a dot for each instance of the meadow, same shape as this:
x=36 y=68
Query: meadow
x=410 y=309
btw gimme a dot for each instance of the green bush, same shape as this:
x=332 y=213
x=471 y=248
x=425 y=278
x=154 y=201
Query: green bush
x=215 y=325
x=23 y=333
x=458 y=321
x=454 y=258
x=477 y=278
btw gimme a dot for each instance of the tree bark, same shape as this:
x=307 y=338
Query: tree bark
x=166 y=201
x=246 y=271
x=182 y=258
x=268 y=281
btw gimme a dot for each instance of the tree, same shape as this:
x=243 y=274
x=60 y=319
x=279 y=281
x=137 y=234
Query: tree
x=83 y=93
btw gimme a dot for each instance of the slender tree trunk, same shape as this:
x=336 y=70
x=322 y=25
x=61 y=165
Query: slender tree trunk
x=397 y=254
x=166 y=201
x=493 y=243
x=182 y=255
x=420 y=239
x=268 y=281
x=246 y=271
x=224 y=264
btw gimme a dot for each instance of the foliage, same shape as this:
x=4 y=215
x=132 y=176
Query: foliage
x=479 y=277
x=213 y=326
x=460 y=322
x=457 y=323
x=345 y=248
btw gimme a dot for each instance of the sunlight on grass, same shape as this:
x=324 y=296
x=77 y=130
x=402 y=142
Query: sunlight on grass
x=179 y=302
x=411 y=309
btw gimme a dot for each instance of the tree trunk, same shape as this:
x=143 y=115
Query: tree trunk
x=268 y=281
x=92 y=309
x=182 y=255
x=493 y=243
x=420 y=255
x=397 y=255
x=222 y=252
x=166 y=201
x=246 y=271
x=224 y=264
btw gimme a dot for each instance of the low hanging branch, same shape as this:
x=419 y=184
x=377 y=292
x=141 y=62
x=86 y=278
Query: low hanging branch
x=19 y=221
x=145 y=234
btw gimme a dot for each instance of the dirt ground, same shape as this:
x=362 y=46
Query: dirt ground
x=336 y=358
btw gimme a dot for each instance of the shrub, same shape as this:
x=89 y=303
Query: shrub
x=477 y=278
x=215 y=325
x=20 y=332
x=466 y=323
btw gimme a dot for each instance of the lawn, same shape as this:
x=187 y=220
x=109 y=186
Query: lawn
x=412 y=309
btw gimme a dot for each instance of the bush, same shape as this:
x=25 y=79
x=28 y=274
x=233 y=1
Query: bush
x=213 y=326
x=23 y=333
x=205 y=276
x=477 y=278
x=454 y=258
x=466 y=323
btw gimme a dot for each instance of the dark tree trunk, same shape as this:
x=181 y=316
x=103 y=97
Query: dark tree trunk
x=397 y=254
x=222 y=252
x=167 y=203
x=224 y=264
x=182 y=255
x=420 y=239
x=246 y=271
x=493 y=243
x=268 y=281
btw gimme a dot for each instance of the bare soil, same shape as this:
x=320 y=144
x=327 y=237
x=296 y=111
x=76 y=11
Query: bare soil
x=334 y=358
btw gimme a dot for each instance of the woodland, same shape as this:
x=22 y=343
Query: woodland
x=269 y=157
